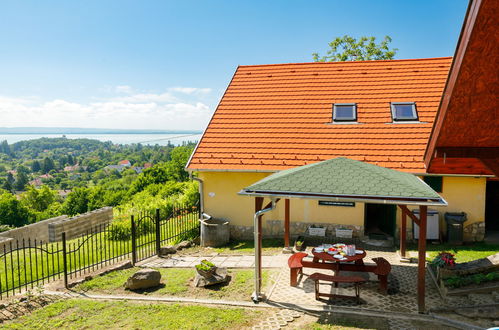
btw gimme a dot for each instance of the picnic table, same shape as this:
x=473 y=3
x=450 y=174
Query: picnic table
x=324 y=257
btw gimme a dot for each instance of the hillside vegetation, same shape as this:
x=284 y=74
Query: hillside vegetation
x=48 y=177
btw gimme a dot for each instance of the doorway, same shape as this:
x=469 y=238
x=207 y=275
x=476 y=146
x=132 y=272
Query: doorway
x=380 y=221
x=492 y=209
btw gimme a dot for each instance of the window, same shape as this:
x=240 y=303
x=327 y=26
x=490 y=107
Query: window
x=435 y=182
x=404 y=111
x=344 y=112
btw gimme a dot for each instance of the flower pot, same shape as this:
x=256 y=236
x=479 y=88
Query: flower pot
x=317 y=231
x=207 y=273
x=344 y=232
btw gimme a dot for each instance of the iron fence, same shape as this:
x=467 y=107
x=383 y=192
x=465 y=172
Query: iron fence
x=29 y=263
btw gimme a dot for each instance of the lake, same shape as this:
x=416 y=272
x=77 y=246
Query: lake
x=146 y=139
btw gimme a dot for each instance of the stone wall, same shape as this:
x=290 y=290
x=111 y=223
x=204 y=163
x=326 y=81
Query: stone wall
x=474 y=232
x=4 y=244
x=275 y=229
x=80 y=224
x=38 y=231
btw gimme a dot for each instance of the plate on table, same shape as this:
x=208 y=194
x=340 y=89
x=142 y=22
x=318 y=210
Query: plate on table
x=332 y=252
x=338 y=256
x=319 y=249
x=359 y=251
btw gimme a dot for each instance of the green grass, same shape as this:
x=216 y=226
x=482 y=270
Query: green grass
x=327 y=321
x=177 y=282
x=28 y=265
x=463 y=253
x=90 y=314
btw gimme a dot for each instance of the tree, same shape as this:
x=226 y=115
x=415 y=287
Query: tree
x=12 y=212
x=39 y=199
x=76 y=202
x=21 y=180
x=347 y=48
x=48 y=164
x=35 y=166
x=5 y=148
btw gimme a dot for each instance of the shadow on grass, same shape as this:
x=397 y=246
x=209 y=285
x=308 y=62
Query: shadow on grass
x=247 y=245
x=148 y=290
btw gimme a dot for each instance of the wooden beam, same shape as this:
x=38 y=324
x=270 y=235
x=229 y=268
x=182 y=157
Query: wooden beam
x=286 y=223
x=403 y=234
x=422 y=258
x=411 y=215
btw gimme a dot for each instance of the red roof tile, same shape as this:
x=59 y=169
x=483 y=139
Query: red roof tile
x=274 y=117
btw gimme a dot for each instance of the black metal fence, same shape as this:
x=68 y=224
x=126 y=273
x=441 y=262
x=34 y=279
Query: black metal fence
x=29 y=263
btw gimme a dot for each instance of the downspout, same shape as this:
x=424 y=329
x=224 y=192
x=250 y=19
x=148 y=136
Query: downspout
x=200 y=189
x=257 y=294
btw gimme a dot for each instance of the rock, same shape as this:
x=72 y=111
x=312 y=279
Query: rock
x=183 y=245
x=167 y=250
x=220 y=276
x=143 y=279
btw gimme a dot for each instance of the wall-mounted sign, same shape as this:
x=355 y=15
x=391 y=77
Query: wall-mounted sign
x=330 y=203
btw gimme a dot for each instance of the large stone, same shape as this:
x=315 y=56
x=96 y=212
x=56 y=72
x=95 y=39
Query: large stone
x=220 y=276
x=143 y=279
x=183 y=245
x=170 y=249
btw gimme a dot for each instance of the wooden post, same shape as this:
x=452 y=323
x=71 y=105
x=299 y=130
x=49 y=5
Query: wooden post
x=258 y=246
x=422 y=258
x=286 y=223
x=403 y=233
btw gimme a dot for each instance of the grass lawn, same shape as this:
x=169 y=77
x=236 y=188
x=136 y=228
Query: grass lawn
x=327 y=321
x=91 y=314
x=177 y=282
x=463 y=253
x=269 y=247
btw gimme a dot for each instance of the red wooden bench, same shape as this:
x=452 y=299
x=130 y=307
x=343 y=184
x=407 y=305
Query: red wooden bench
x=356 y=280
x=295 y=267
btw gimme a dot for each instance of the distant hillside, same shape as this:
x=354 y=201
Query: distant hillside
x=78 y=130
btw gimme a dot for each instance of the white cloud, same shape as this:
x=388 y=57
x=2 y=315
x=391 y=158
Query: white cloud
x=139 y=110
x=190 y=90
x=123 y=89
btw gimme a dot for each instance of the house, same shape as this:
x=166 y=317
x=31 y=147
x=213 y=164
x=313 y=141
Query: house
x=138 y=169
x=125 y=163
x=275 y=117
x=118 y=168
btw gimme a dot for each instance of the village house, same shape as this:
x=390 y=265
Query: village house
x=275 y=117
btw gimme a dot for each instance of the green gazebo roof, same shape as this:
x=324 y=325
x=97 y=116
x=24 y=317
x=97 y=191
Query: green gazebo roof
x=346 y=179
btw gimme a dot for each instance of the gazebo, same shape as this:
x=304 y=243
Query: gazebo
x=345 y=180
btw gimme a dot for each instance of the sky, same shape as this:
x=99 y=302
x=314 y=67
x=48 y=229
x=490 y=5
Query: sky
x=165 y=64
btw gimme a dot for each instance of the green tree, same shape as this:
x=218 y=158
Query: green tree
x=21 y=180
x=76 y=202
x=347 y=48
x=48 y=164
x=38 y=199
x=179 y=158
x=12 y=212
x=35 y=166
x=5 y=148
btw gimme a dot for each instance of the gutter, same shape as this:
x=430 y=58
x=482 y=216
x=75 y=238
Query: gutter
x=257 y=296
x=201 y=195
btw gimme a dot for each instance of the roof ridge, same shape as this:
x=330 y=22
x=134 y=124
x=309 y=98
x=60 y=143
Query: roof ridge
x=345 y=62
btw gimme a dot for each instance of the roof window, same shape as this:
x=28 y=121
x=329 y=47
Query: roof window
x=344 y=112
x=404 y=111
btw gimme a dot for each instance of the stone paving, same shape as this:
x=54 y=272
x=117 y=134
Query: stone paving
x=231 y=261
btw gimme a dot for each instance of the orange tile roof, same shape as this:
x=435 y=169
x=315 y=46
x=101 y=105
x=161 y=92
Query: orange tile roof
x=274 y=117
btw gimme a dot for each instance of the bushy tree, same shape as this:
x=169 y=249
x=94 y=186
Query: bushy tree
x=38 y=199
x=76 y=202
x=21 y=181
x=35 y=166
x=12 y=212
x=48 y=165
x=347 y=48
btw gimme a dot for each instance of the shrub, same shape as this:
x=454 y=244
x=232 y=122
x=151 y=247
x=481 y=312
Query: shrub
x=459 y=281
x=121 y=228
x=5 y=228
x=444 y=259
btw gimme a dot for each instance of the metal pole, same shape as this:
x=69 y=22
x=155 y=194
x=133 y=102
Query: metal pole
x=422 y=258
x=134 y=244
x=64 y=260
x=158 y=234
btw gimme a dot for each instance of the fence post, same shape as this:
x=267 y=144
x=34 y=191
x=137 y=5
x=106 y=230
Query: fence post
x=134 y=243
x=158 y=233
x=64 y=260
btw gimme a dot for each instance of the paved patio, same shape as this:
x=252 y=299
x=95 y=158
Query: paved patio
x=229 y=261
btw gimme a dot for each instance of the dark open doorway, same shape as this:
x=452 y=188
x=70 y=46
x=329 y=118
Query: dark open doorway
x=492 y=206
x=380 y=221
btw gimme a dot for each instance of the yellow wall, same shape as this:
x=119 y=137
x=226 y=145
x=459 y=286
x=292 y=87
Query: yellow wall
x=222 y=201
x=463 y=194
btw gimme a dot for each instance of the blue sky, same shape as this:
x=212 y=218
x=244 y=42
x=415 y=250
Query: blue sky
x=165 y=64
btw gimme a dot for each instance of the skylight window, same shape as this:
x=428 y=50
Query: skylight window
x=404 y=111
x=344 y=112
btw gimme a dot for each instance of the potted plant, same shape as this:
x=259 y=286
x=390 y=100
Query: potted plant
x=444 y=262
x=299 y=244
x=206 y=268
